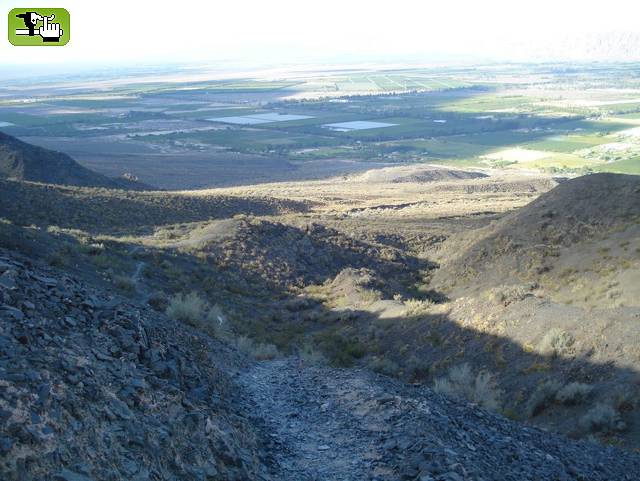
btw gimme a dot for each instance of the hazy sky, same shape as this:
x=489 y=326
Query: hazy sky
x=281 y=31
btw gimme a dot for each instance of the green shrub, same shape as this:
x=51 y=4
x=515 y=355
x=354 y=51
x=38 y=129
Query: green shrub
x=383 y=365
x=340 y=350
x=311 y=355
x=417 y=307
x=158 y=301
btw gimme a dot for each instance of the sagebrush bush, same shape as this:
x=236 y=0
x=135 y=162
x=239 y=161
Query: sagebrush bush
x=384 y=366
x=416 y=307
x=573 y=393
x=461 y=383
x=603 y=417
x=556 y=342
x=124 y=283
x=541 y=397
x=158 y=301
x=311 y=355
x=506 y=295
x=260 y=351
x=190 y=309
x=195 y=311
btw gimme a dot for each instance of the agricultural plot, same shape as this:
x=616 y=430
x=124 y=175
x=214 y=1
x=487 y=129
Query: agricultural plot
x=381 y=82
x=567 y=143
x=512 y=117
x=627 y=166
x=259 y=118
x=357 y=125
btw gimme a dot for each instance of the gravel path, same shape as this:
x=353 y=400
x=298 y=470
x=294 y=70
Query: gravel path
x=314 y=436
x=344 y=424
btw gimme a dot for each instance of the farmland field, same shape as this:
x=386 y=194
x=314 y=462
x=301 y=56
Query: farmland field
x=193 y=132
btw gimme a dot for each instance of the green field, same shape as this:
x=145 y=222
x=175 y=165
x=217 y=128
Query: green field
x=454 y=116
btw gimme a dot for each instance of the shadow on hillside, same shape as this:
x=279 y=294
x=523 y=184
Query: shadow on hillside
x=103 y=211
x=415 y=348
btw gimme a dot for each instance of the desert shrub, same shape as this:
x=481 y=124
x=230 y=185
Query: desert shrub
x=573 y=393
x=461 y=383
x=543 y=395
x=506 y=295
x=264 y=351
x=418 y=368
x=603 y=417
x=190 y=309
x=195 y=311
x=624 y=398
x=58 y=259
x=416 y=307
x=341 y=351
x=158 y=301
x=124 y=283
x=260 y=351
x=385 y=366
x=556 y=342
x=310 y=354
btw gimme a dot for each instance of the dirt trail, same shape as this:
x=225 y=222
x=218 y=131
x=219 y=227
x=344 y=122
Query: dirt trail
x=324 y=424
x=136 y=278
x=314 y=434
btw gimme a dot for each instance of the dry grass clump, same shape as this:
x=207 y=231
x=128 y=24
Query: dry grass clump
x=195 y=311
x=462 y=383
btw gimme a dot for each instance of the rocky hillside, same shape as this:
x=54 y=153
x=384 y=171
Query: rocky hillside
x=296 y=254
x=22 y=161
x=95 y=388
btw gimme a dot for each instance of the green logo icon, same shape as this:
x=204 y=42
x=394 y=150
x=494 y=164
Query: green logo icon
x=39 y=27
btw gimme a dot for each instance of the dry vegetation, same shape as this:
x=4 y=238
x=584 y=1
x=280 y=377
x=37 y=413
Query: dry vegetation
x=530 y=311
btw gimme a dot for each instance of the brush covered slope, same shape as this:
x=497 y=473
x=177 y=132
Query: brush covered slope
x=96 y=387
x=580 y=234
x=117 y=212
x=355 y=288
x=22 y=161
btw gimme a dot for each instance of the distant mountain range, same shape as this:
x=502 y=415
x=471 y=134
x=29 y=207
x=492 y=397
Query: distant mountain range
x=22 y=161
